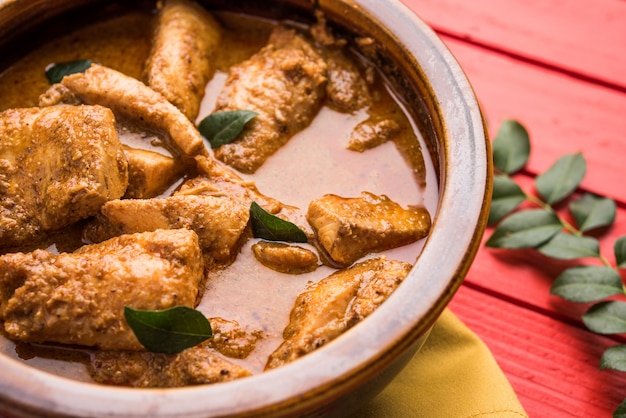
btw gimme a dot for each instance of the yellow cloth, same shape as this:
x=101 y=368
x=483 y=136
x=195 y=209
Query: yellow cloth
x=453 y=376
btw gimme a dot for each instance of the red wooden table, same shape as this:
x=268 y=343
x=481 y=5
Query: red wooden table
x=558 y=67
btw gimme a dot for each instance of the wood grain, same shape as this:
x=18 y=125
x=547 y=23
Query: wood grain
x=552 y=366
x=578 y=38
x=563 y=115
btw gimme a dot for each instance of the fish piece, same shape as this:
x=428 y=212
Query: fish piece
x=149 y=173
x=349 y=228
x=217 y=179
x=128 y=98
x=219 y=221
x=291 y=259
x=194 y=366
x=181 y=61
x=58 y=165
x=347 y=89
x=328 y=308
x=373 y=132
x=79 y=297
x=231 y=339
x=285 y=84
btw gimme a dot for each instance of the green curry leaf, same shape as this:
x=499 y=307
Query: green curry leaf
x=56 y=72
x=620 y=412
x=272 y=228
x=562 y=178
x=614 y=358
x=507 y=195
x=511 y=147
x=620 y=252
x=592 y=211
x=587 y=283
x=568 y=247
x=526 y=229
x=170 y=330
x=224 y=127
x=606 y=317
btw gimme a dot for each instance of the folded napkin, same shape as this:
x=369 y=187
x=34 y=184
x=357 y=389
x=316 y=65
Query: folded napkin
x=453 y=376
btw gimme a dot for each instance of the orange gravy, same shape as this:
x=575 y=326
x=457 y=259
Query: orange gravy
x=313 y=163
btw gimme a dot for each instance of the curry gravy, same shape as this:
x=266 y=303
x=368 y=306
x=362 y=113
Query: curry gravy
x=313 y=163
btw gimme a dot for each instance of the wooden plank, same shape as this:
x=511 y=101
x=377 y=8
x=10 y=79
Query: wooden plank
x=563 y=115
x=552 y=366
x=574 y=36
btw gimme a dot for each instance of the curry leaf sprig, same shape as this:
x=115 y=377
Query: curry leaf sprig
x=541 y=227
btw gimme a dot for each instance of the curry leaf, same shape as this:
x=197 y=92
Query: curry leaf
x=56 y=72
x=170 y=330
x=568 y=247
x=526 y=229
x=224 y=127
x=620 y=252
x=620 y=412
x=507 y=195
x=606 y=317
x=614 y=358
x=562 y=178
x=587 y=283
x=511 y=147
x=272 y=228
x=592 y=211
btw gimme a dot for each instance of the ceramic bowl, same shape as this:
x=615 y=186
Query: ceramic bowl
x=343 y=375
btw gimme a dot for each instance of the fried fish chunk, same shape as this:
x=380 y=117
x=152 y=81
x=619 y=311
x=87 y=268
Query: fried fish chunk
x=149 y=173
x=219 y=221
x=285 y=258
x=128 y=98
x=349 y=228
x=193 y=366
x=285 y=84
x=181 y=61
x=330 y=307
x=202 y=364
x=347 y=89
x=58 y=165
x=373 y=132
x=79 y=298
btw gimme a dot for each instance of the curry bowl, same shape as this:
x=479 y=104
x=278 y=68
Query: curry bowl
x=451 y=182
